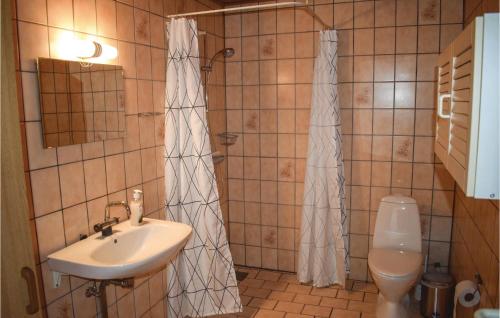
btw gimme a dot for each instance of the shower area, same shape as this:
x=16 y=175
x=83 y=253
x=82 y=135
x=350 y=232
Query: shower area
x=212 y=60
x=257 y=73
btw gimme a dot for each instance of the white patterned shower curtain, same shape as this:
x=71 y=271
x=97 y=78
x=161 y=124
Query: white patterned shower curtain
x=201 y=280
x=323 y=250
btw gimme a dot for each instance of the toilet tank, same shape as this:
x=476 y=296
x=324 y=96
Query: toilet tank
x=398 y=224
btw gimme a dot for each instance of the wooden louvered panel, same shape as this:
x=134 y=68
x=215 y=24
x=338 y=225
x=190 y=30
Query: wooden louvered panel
x=461 y=107
x=462 y=70
x=462 y=95
x=460 y=145
x=441 y=152
x=444 y=87
x=459 y=132
x=458 y=172
x=462 y=83
x=443 y=139
x=460 y=120
x=463 y=57
x=444 y=69
x=457 y=156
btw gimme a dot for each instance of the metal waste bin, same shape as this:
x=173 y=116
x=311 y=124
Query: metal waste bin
x=437 y=295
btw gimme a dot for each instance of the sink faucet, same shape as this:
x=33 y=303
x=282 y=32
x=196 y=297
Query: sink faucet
x=106 y=227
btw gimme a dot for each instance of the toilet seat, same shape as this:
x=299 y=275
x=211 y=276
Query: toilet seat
x=394 y=264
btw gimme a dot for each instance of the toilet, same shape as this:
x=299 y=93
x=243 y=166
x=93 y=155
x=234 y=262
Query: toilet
x=395 y=261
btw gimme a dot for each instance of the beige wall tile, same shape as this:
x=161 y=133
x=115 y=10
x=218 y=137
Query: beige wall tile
x=115 y=172
x=84 y=16
x=30 y=48
x=60 y=13
x=32 y=11
x=72 y=183
x=95 y=178
x=50 y=232
x=46 y=191
x=106 y=18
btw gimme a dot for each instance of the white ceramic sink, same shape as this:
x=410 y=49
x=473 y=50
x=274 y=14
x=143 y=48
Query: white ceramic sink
x=129 y=252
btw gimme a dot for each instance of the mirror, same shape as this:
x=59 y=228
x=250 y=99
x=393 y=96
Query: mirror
x=79 y=102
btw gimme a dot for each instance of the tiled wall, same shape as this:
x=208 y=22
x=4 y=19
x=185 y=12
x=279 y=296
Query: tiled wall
x=474 y=247
x=474 y=8
x=71 y=185
x=387 y=54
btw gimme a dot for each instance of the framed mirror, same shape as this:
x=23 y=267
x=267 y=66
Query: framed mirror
x=80 y=103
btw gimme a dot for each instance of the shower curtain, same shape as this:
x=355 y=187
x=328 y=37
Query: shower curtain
x=323 y=250
x=201 y=280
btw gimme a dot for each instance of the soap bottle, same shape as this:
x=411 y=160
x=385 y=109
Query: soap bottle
x=136 y=209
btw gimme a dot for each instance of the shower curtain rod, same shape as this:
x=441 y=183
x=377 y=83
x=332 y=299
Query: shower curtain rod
x=294 y=4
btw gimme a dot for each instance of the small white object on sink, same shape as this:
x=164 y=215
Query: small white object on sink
x=487 y=313
x=136 y=208
x=130 y=251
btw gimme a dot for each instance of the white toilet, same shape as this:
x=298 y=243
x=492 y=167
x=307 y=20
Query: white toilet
x=395 y=261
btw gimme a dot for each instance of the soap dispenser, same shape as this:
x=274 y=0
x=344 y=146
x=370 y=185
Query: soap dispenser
x=136 y=208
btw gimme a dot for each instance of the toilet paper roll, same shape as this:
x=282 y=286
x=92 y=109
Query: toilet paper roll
x=467 y=294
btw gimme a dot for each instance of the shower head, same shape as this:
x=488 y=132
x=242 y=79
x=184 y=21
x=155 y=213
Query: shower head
x=227 y=52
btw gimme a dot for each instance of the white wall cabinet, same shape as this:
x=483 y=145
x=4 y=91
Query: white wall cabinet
x=467 y=121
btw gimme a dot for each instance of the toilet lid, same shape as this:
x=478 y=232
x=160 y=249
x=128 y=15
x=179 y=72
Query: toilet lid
x=394 y=263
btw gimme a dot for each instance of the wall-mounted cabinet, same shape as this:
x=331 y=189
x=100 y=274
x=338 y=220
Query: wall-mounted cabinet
x=467 y=123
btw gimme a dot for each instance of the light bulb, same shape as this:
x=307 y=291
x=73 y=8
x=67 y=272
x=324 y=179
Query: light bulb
x=85 y=49
x=108 y=52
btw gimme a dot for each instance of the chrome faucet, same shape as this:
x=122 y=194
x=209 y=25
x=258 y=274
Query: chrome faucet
x=106 y=227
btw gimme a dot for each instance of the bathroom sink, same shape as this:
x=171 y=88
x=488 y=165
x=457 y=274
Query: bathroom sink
x=129 y=252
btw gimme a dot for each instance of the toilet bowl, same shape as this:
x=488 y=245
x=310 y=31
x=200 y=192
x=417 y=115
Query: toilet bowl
x=395 y=261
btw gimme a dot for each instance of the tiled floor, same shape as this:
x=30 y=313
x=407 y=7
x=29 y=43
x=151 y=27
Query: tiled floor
x=270 y=294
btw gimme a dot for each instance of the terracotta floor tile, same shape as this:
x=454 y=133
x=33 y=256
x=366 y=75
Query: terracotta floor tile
x=317 y=311
x=290 y=315
x=252 y=282
x=328 y=292
x=245 y=299
x=334 y=302
x=307 y=299
x=252 y=272
x=242 y=288
x=281 y=296
x=370 y=298
x=257 y=292
x=351 y=295
x=341 y=313
x=264 y=313
x=269 y=275
x=289 y=307
x=248 y=312
x=361 y=306
x=280 y=286
x=299 y=289
x=366 y=287
x=263 y=303
x=289 y=278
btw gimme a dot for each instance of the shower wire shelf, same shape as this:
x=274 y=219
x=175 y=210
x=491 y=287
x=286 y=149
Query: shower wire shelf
x=147 y=114
x=227 y=139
